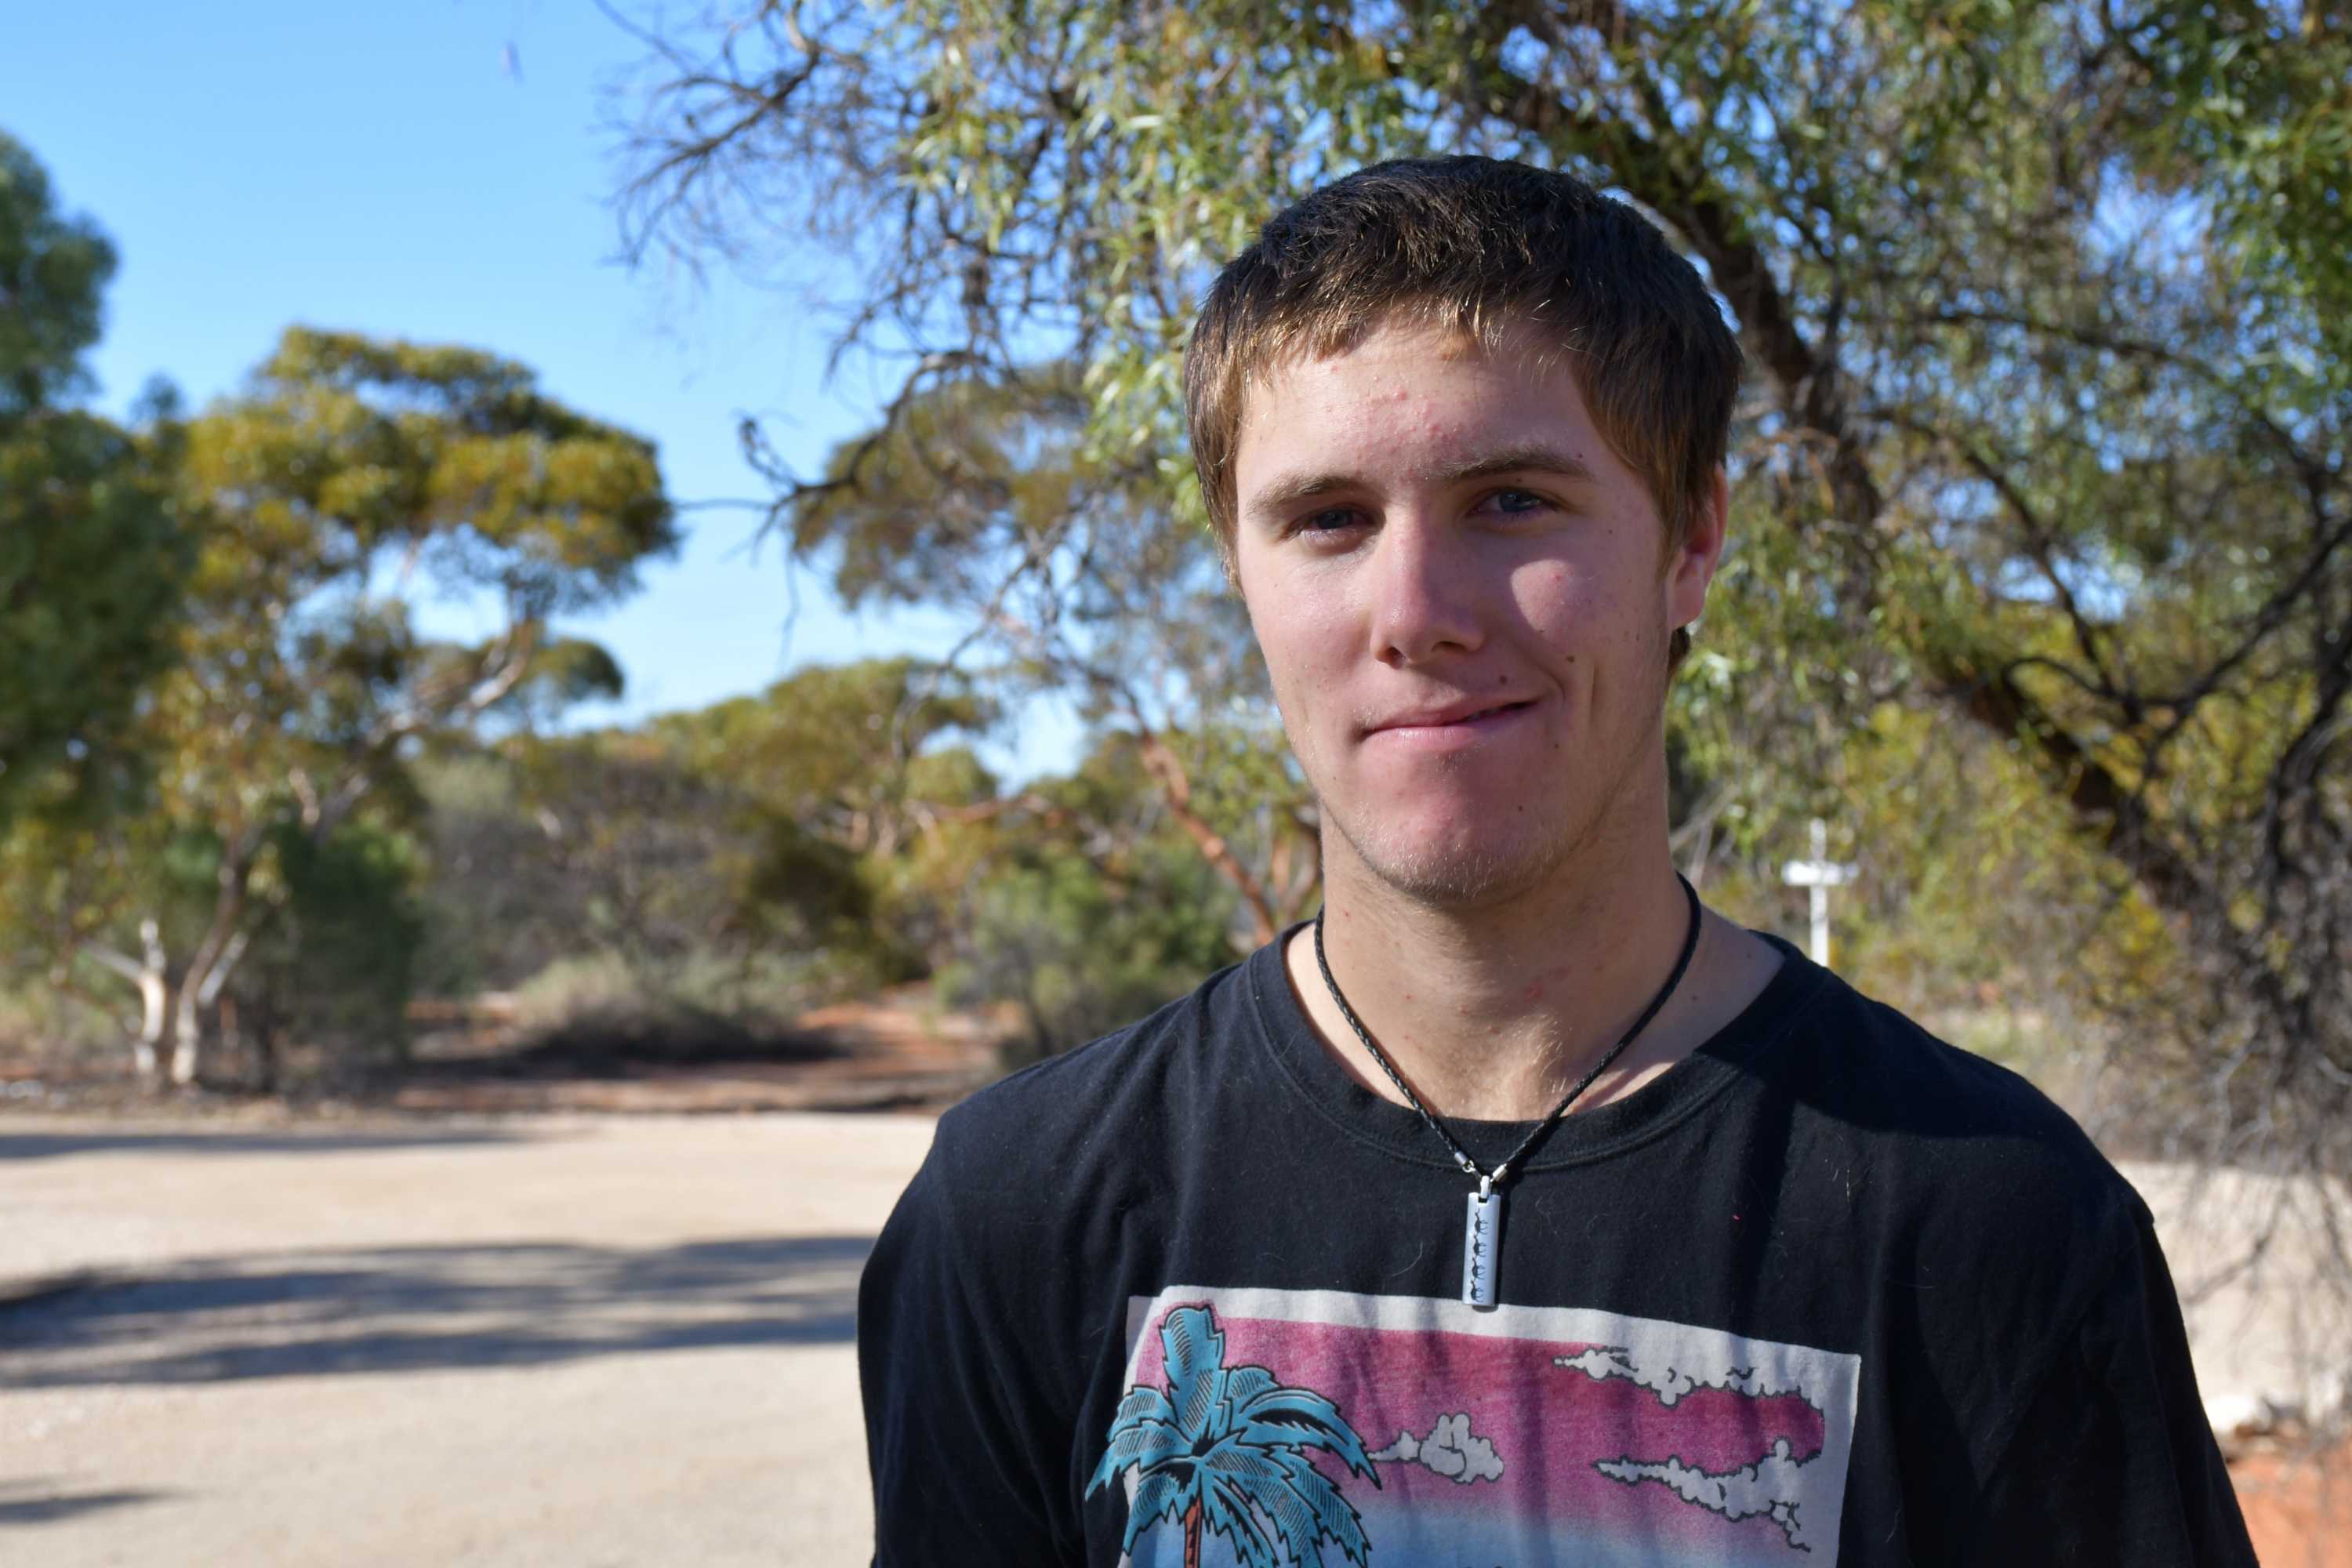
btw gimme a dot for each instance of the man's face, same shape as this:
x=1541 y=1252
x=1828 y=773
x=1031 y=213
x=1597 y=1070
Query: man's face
x=1457 y=587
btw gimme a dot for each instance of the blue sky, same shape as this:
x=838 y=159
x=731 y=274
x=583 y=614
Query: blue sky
x=394 y=169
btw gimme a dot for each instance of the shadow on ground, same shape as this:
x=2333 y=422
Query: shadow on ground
x=617 y=1042
x=198 y=1141
x=37 y=1501
x=417 y=1309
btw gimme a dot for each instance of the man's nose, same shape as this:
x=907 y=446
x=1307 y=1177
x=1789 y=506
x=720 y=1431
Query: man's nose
x=1423 y=592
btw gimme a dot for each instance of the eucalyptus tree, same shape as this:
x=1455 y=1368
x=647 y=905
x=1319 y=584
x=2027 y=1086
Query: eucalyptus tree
x=983 y=494
x=351 y=476
x=772 y=822
x=91 y=558
x=2046 y=432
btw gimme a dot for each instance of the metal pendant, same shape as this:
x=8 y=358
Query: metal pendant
x=1482 y=1246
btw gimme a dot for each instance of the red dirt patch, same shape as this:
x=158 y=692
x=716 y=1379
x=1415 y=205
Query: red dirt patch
x=2298 y=1508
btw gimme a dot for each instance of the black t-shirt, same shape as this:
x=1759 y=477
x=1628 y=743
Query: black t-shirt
x=1826 y=1291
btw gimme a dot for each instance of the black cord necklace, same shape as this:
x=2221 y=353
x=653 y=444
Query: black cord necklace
x=1484 y=1238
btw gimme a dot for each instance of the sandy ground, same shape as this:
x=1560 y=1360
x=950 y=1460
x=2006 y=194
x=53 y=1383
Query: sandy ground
x=534 y=1339
x=586 y=1341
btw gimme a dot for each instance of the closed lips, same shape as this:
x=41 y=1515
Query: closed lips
x=1458 y=713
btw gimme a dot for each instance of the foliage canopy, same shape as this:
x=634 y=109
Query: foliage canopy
x=91 y=557
x=2045 y=437
x=349 y=474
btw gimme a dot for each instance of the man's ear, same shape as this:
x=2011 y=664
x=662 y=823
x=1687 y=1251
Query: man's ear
x=1698 y=554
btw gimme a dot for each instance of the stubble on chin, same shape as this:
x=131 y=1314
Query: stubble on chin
x=1458 y=877
x=1491 y=862
x=1487 y=864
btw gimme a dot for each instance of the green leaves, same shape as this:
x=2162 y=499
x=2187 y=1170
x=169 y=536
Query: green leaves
x=92 y=558
x=346 y=446
x=53 y=270
x=2249 y=108
x=226 y=601
x=2046 y=447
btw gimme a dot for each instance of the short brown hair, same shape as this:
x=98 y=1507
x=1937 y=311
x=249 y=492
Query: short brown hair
x=1494 y=249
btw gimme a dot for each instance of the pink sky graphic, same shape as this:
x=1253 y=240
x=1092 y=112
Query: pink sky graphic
x=1551 y=1425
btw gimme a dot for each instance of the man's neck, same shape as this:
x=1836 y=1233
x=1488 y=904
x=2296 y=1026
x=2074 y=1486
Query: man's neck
x=1495 y=1014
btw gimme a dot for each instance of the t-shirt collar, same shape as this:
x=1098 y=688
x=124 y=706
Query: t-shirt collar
x=1733 y=1052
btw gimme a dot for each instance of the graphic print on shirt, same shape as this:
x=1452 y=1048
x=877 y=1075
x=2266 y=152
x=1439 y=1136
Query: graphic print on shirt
x=1517 y=1436
x=1221 y=1449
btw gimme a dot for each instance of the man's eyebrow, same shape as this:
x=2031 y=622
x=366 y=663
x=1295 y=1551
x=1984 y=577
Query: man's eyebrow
x=1533 y=456
x=1529 y=457
x=1276 y=494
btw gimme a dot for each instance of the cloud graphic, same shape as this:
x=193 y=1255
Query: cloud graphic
x=1669 y=1383
x=1769 y=1486
x=1450 y=1450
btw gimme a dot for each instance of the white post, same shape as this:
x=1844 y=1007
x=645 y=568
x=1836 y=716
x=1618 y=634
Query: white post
x=1819 y=875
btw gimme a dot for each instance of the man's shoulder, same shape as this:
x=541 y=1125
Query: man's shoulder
x=1932 y=1130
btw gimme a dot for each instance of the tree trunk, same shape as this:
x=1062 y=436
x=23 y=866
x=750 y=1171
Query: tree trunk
x=1192 y=1535
x=264 y=1051
x=196 y=996
x=187 y=1038
x=150 y=972
x=1176 y=789
x=209 y=966
x=155 y=1008
x=227 y=1028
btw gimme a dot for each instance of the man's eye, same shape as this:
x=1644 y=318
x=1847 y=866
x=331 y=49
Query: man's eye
x=1331 y=520
x=1517 y=503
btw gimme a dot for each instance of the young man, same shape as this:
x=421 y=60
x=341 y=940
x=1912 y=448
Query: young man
x=1518 y=1211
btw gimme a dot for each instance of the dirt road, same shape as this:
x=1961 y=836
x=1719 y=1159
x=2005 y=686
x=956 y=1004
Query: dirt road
x=591 y=1340
x=586 y=1341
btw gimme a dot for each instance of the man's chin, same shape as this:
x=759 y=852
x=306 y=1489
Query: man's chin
x=1463 y=868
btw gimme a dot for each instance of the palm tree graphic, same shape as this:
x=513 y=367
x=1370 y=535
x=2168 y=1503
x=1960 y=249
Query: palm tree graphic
x=1222 y=1448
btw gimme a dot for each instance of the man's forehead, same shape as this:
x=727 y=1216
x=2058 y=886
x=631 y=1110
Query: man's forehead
x=1401 y=341
x=1425 y=337
x=1302 y=432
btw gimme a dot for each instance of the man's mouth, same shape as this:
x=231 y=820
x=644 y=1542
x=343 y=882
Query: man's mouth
x=1462 y=716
